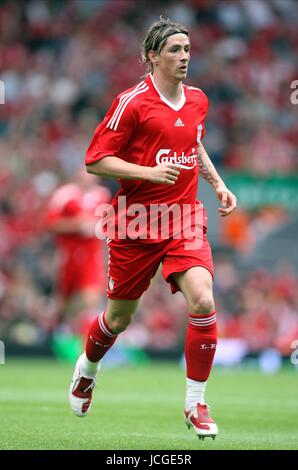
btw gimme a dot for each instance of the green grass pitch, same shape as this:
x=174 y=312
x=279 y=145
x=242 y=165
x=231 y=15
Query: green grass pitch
x=141 y=408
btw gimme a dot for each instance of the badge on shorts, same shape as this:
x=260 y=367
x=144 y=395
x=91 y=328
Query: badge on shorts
x=111 y=283
x=199 y=133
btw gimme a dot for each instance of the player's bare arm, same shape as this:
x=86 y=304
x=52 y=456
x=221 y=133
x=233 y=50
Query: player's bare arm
x=209 y=173
x=114 y=167
x=77 y=224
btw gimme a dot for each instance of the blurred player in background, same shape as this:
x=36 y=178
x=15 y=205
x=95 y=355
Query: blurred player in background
x=81 y=256
x=151 y=140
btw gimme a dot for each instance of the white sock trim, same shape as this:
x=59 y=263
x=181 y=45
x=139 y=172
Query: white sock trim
x=206 y=321
x=103 y=327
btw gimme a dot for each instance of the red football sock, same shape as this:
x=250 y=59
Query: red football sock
x=100 y=339
x=200 y=346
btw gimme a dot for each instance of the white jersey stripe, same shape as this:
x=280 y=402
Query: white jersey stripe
x=114 y=125
x=126 y=103
x=123 y=97
x=121 y=100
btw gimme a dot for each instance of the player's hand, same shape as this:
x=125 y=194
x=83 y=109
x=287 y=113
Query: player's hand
x=87 y=227
x=228 y=200
x=165 y=173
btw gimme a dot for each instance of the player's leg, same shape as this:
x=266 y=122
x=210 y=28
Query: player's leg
x=131 y=267
x=86 y=304
x=65 y=341
x=88 y=285
x=105 y=329
x=89 y=298
x=102 y=335
x=200 y=346
x=77 y=313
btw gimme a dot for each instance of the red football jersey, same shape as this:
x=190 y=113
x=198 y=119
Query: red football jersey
x=81 y=256
x=144 y=128
x=69 y=201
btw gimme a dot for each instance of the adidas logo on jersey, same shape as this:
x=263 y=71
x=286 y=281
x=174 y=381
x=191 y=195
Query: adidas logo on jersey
x=179 y=123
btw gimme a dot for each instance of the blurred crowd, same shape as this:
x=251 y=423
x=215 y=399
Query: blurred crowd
x=258 y=307
x=62 y=63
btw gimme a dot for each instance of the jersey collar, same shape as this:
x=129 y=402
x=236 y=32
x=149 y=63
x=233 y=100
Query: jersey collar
x=175 y=107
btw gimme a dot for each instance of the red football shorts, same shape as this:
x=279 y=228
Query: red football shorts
x=132 y=265
x=79 y=270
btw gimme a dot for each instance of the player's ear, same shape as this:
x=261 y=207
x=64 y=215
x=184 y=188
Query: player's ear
x=153 y=56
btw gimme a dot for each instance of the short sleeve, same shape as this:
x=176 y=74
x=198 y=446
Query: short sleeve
x=112 y=135
x=204 y=108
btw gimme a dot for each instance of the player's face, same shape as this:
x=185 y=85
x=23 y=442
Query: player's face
x=174 y=57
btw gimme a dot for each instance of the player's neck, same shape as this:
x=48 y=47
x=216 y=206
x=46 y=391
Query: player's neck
x=170 y=90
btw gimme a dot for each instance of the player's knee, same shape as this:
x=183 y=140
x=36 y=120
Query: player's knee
x=202 y=304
